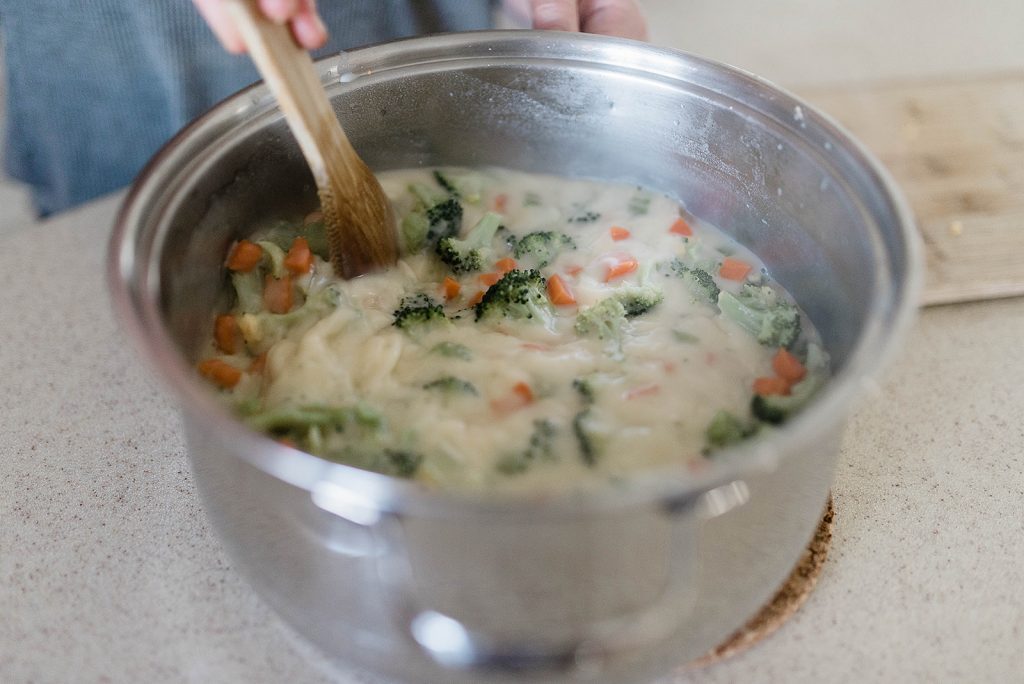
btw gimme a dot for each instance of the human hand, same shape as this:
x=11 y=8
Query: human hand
x=621 y=18
x=300 y=15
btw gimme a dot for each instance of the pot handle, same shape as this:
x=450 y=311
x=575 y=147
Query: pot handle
x=453 y=645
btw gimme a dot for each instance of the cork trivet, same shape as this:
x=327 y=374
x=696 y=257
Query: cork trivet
x=787 y=600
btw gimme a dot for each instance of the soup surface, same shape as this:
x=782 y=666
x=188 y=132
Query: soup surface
x=537 y=333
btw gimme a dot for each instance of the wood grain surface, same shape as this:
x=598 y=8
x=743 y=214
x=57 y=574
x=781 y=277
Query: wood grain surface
x=956 y=148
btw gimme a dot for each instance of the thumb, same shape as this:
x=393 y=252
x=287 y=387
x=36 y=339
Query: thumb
x=556 y=15
x=621 y=18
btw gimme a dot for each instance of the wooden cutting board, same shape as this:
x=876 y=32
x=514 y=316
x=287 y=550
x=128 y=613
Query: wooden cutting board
x=956 y=148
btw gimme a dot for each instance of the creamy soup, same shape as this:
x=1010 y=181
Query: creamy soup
x=537 y=332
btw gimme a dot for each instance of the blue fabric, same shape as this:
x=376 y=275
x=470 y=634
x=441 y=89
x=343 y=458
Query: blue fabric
x=95 y=87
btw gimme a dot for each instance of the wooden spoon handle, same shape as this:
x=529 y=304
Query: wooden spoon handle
x=289 y=72
x=357 y=214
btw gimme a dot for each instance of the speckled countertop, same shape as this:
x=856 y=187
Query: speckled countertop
x=109 y=571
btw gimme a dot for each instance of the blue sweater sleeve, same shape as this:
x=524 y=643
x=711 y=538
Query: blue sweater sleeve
x=94 y=88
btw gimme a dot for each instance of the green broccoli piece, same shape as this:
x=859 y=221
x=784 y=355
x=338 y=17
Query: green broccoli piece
x=776 y=409
x=759 y=310
x=639 y=203
x=416 y=312
x=283 y=234
x=605 y=320
x=451 y=385
x=248 y=290
x=466 y=186
x=540 y=446
x=585 y=388
x=452 y=350
x=263 y=329
x=466 y=256
x=583 y=216
x=638 y=300
x=445 y=219
x=591 y=435
x=519 y=294
x=542 y=246
x=396 y=462
x=726 y=428
x=435 y=215
x=700 y=282
x=291 y=418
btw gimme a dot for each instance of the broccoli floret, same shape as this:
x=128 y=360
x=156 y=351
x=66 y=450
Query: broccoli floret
x=397 y=462
x=436 y=215
x=640 y=203
x=466 y=256
x=759 y=310
x=519 y=294
x=300 y=418
x=541 y=446
x=700 y=282
x=283 y=234
x=776 y=409
x=366 y=439
x=445 y=219
x=417 y=312
x=452 y=350
x=583 y=216
x=585 y=388
x=726 y=428
x=639 y=300
x=590 y=435
x=542 y=246
x=605 y=320
x=451 y=385
x=264 y=329
x=466 y=187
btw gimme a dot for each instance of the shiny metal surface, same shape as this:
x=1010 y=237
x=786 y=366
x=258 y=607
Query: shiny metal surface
x=611 y=585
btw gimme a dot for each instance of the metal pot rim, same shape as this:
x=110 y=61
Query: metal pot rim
x=135 y=288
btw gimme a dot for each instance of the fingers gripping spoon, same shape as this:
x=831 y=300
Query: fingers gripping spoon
x=357 y=215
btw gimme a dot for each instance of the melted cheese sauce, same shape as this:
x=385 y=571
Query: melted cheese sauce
x=653 y=396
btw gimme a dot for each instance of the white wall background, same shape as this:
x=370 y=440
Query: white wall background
x=808 y=42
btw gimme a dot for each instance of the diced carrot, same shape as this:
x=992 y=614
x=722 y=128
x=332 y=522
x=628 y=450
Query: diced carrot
x=313 y=217
x=299 y=259
x=220 y=372
x=488 y=279
x=476 y=298
x=520 y=396
x=505 y=265
x=451 y=288
x=765 y=386
x=734 y=269
x=225 y=333
x=284 y=441
x=244 y=256
x=258 y=364
x=788 y=367
x=681 y=227
x=277 y=294
x=573 y=270
x=559 y=293
x=623 y=266
x=642 y=391
x=501 y=203
x=619 y=233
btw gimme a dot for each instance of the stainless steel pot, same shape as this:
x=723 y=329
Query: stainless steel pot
x=611 y=585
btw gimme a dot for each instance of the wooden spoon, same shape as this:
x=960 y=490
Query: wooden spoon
x=357 y=214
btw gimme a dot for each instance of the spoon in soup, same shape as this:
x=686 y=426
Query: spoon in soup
x=357 y=214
